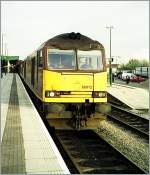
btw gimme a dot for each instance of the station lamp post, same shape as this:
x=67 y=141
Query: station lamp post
x=2 y=54
x=110 y=58
x=6 y=54
x=2 y=46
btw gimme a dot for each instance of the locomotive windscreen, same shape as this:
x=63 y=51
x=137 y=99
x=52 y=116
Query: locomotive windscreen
x=66 y=60
x=90 y=60
x=61 y=59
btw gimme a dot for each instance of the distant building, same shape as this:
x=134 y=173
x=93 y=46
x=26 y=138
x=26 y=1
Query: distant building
x=8 y=62
x=114 y=67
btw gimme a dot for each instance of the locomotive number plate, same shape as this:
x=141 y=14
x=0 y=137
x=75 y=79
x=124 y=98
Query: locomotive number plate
x=86 y=87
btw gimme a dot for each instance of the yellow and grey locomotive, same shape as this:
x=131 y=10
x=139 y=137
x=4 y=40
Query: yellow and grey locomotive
x=68 y=75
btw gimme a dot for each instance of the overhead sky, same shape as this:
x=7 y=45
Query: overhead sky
x=27 y=24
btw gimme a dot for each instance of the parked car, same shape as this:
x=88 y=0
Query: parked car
x=119 y=75
x=125 y=75
x=137 y=79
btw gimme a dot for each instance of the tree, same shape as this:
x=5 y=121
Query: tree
x=123 y=67
x=144 y=62
x=133 y=63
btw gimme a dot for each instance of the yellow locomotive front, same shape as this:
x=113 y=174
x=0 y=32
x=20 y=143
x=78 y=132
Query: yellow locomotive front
x=75 y=76
x=74 y=82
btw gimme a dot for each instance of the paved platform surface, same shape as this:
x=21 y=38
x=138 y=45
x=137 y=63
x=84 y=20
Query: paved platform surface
x=136 y=98
x=26 y=146
x=143 y=85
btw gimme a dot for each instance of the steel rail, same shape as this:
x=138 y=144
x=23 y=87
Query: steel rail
x=129 y=119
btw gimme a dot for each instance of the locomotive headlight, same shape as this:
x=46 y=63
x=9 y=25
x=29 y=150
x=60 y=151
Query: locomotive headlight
x=102 y=94
x=52 y=93
x=99 y=94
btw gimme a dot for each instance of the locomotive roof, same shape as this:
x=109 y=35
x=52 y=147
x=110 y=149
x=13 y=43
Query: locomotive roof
x=73 y=41
x=70 y=41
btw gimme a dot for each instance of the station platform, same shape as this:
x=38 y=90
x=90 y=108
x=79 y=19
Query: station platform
x=136 y=98
x=26 y=146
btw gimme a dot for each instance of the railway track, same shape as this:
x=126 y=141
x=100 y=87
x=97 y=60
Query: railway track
x=92 y=155
x=129 y=119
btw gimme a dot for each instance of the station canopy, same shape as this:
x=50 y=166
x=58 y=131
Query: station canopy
x=9 y=58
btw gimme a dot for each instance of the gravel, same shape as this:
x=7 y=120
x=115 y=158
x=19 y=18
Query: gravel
x=129 y=144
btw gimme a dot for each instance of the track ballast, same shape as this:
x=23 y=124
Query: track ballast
x=92 y=155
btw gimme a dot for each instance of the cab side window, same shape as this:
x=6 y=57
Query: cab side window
x=39 y=58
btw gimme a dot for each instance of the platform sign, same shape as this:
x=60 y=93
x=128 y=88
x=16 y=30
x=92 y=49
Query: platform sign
x=9 y=58
x=111 y=59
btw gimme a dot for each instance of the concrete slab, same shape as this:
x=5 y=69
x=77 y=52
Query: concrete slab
x=136 y=98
